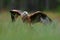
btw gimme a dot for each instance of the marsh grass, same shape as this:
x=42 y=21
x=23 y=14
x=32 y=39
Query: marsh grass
x=21 y=31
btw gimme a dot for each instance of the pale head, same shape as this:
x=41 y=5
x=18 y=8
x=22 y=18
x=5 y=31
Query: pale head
x=25 y=13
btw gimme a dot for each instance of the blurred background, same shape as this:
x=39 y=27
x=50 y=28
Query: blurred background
x=22 y=31
x=30 y=5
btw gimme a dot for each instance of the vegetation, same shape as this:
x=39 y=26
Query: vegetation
x=29 y=5
x=21 y=31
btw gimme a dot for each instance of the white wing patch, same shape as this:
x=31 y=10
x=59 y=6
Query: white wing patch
x=45 y=21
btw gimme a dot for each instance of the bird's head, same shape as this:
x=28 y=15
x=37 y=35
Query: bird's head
x=25 y=13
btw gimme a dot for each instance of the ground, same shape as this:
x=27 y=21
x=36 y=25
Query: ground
x=21 y=31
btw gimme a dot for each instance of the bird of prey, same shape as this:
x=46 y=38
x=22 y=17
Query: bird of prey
x=30 y=18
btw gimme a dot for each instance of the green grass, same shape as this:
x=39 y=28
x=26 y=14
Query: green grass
x=21 y=31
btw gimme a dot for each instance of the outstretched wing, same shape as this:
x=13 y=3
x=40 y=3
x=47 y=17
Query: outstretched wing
x=34 y=13
x=39 y=16
x=15 y=14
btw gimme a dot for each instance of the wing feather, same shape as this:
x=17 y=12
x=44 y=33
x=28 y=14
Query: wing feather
x=15 y=14
x=36 y=16
x=35 y=13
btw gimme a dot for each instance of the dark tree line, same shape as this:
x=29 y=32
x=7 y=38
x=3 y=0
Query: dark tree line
x=29 y=5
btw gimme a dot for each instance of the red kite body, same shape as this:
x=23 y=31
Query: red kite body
x=31 y=18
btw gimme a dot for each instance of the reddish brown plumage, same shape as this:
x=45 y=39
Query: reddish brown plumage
x=34 y=17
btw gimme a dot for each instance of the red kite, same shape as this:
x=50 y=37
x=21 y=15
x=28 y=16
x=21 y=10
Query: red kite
x=31 y=18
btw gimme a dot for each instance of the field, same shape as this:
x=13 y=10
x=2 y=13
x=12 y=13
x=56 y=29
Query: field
x=22 y=31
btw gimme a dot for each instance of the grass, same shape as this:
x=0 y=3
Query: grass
x=21 y=31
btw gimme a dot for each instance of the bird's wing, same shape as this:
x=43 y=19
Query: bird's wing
x=15 y=14
x=34 y=16
x=34 y=13
x=38 y=15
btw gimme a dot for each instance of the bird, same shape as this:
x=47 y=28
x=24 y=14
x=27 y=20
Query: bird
x=30 y=18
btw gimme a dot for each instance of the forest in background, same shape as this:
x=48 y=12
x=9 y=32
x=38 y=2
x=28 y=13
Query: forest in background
x=30 y=5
